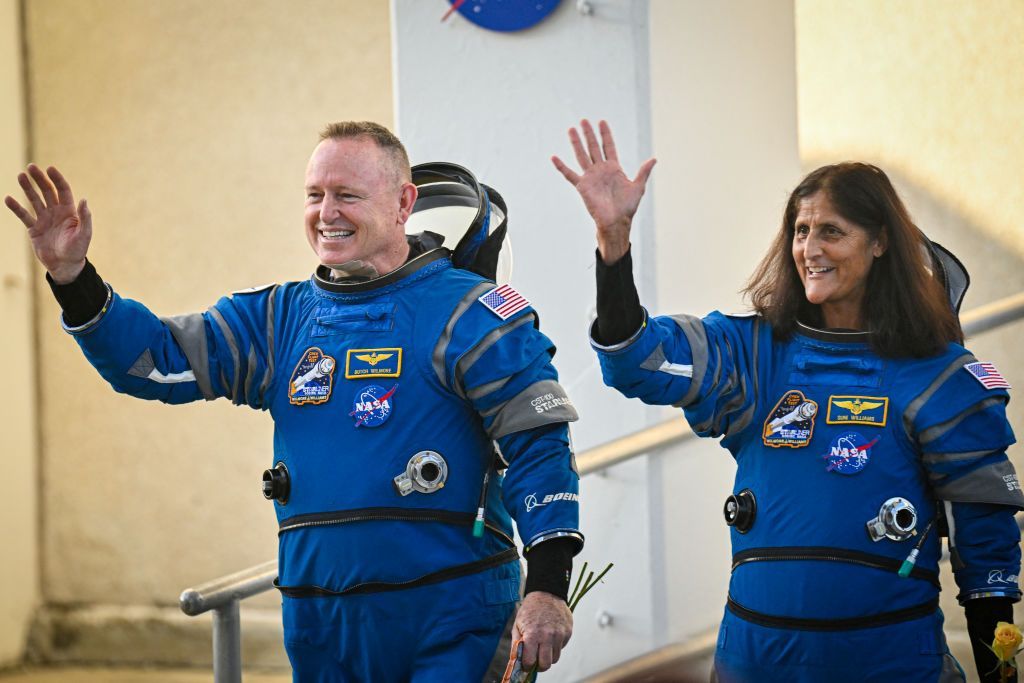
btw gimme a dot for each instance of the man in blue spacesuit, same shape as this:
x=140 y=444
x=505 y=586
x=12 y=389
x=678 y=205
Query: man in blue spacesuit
x=859 y=424
x=401 y=388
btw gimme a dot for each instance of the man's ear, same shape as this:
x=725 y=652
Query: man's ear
x=406 y=201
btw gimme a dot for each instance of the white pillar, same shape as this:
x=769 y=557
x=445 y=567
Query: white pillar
x=500 y=104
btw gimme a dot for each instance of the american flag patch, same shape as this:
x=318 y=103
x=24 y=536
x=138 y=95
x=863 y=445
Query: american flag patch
x=987 y=374
x=504 y=301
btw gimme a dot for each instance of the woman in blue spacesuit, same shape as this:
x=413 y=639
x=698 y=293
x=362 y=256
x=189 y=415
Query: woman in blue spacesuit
x=862 y=430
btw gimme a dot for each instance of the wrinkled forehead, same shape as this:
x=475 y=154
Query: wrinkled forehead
x=816 y=207
x=349 y=161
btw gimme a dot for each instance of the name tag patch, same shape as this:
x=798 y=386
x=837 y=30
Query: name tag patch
x=862 y=410
x=313 y=378
x=361 y=363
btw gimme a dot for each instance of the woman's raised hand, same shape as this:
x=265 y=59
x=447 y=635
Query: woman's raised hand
x=609 y=195
x=60 y=232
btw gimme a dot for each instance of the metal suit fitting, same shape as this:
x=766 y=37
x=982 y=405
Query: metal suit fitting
x=277 y=483
x=425 y=472
x=740 y=510
x=896 y=520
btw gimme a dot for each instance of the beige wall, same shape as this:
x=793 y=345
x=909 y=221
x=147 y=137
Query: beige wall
x=931 y=89
x=19 y=570
x=187 y=126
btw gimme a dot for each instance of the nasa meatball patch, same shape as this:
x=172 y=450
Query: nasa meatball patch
x=373 y=405
x=312 y=378
x=849 y=453
x=791 y=422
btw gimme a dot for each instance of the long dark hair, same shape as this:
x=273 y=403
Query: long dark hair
x=905 y=307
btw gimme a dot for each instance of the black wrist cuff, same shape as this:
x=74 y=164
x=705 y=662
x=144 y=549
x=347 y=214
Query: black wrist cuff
x=83 y=298
x=619 y=314
x=549 y=566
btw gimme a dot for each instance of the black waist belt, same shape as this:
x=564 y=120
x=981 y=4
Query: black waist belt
x=386 y=515
x=849 y=624
x=505 y=556
x=830 y=555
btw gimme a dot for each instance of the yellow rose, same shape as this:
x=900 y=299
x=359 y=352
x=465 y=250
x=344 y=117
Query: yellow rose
x=1008 y=639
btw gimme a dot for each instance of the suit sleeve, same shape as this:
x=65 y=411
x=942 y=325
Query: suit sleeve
x=962 y=433
x=503 y=369
x=706 y=366
x=225 y=352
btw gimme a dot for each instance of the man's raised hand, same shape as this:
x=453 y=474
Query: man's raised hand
x=610 y=196
x=60 y=232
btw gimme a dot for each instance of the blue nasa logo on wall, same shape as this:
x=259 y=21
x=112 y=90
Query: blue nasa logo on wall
x=373 y=405
x=503 y=15
x=849 y=453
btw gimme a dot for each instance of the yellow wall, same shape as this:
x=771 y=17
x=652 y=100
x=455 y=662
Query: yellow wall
x=930 y=89
x=19 y=569
x=187 y=125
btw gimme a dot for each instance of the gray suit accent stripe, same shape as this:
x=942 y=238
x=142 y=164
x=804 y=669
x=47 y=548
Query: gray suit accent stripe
x=654 y=361
x=484 y=389
x=731 y=406
x=249 y=373
x=697 y=338
x=190 y=332
x=493 y=410
x=754 y=360
x=446 y=336
x=914 y=407
x=499 y=661
x=269 y=374
x=470 y=358
x=233 y=348
x=936 y=458
x=520 y=412
x=682 y=403
x=995 y=484
x=936 y=431
x=143 y=365
x=743 y=420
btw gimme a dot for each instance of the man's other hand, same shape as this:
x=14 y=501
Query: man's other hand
x=544 y=623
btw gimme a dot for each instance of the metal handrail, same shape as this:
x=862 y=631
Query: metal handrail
x=223 y=594
x=993 y=315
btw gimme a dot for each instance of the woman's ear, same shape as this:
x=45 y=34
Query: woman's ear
x=881 y=243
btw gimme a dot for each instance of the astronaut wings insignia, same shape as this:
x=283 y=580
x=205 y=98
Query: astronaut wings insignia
x=373 y=358
x=857 y=407
x=865 y=410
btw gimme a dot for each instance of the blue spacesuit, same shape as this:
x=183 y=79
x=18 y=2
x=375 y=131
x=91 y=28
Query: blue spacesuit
x=396 y=402
x=846 y=464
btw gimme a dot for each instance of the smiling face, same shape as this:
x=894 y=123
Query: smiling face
x=833 y=257
x=356 y=205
